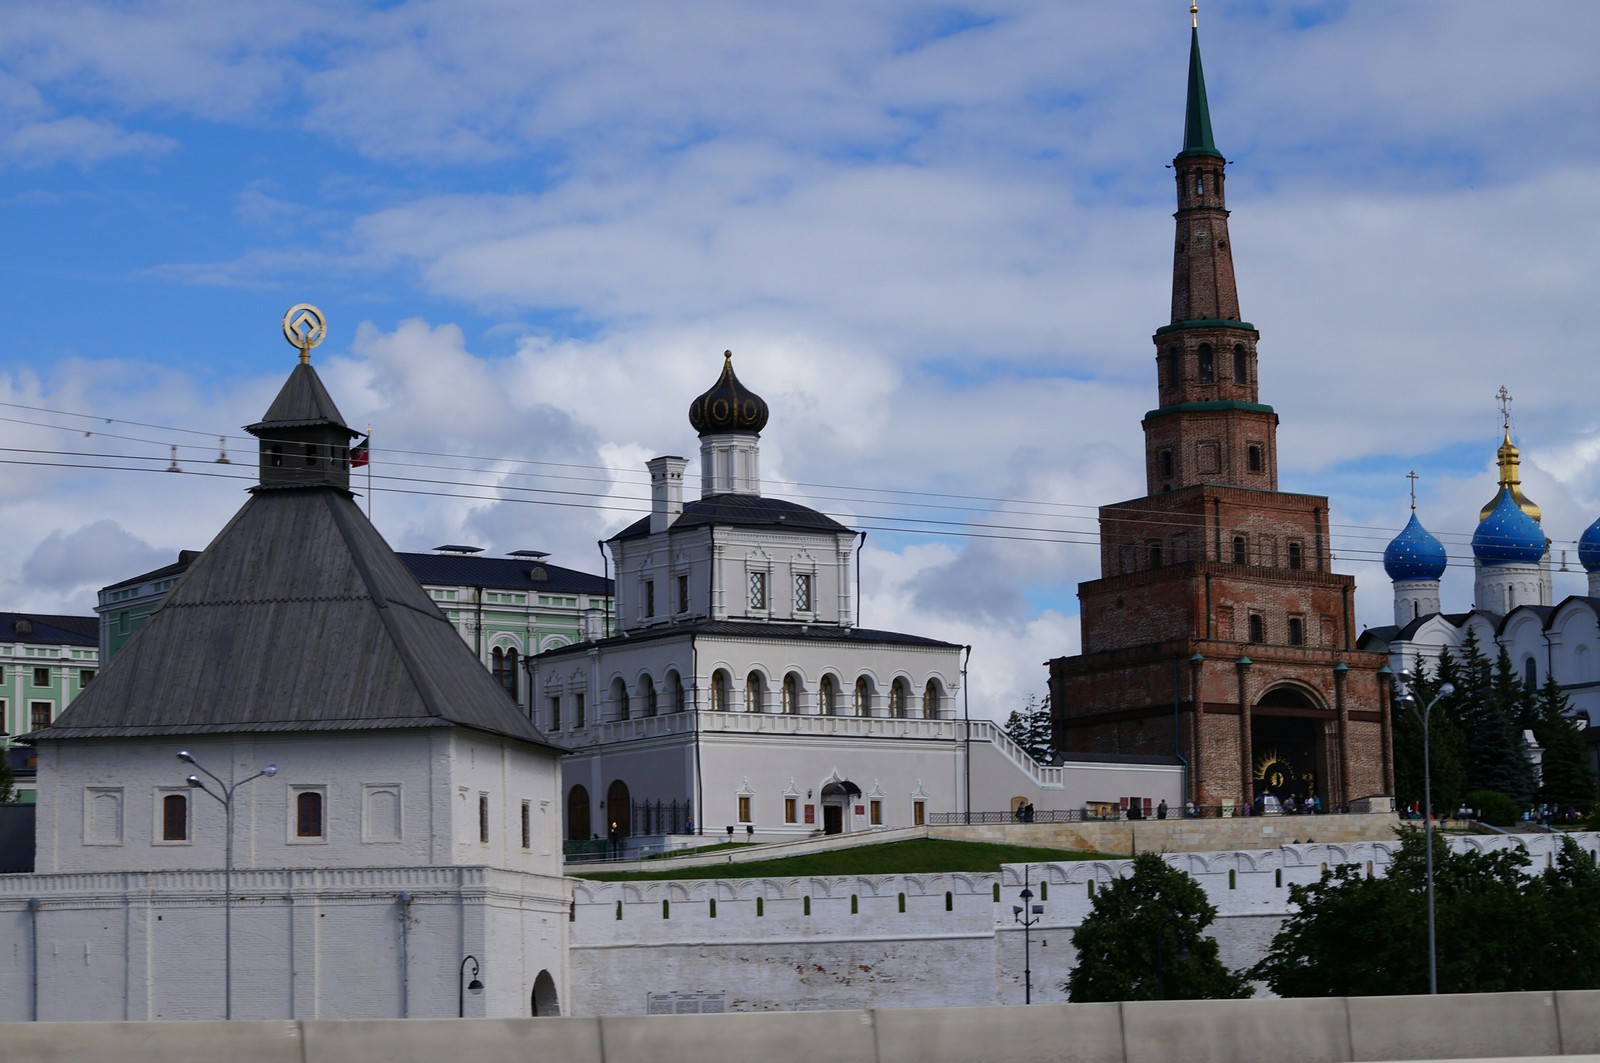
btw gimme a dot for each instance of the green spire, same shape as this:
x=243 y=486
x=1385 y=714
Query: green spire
x=1197 y=114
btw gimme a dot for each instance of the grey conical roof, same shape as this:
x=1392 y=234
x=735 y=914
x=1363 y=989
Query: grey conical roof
x=301 y=402
x=297 y=617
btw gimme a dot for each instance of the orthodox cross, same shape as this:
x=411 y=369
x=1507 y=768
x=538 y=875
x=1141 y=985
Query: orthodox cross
x=1505 y=405
x=1412 y=476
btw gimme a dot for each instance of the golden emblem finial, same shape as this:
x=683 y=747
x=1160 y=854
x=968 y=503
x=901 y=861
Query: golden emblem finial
x=1194 y=14
x=304 y=327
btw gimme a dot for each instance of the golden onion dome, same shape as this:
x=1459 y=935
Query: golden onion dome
x=1510 y=462
x=729 y=406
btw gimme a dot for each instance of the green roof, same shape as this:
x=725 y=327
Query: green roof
x=1206 y=322
x=1209 y=406
x=1197 y=114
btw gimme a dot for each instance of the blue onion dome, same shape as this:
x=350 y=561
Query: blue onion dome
x=1508 y=536
x=729 y=406
x=1589 y=548
x=1414 y=554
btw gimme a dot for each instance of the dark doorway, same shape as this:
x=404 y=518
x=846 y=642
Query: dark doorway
x=832 y=819
x=578 y=828
x=1288 y=750
x=619 y=809
x=835 y=802
x=544 y=1000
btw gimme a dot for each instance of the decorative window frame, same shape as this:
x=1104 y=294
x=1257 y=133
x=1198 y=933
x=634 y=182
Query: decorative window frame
x=803 y=565
x=291 y=826
x=744 y=804
x=158 y=822
x=757 y=564
x=91 y=796
x=370 y=836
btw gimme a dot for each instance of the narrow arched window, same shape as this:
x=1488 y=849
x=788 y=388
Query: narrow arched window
x=1530 y=674
x=1199 y=184
x=1297 y=631
x=897 y=699
x=619 y=695
x=1258 y=628
x=827 y=703
x=1172 y=367
x=1241 y=369
x=1296 y=556
x=1238 y=549
x=719 y=692
x=930 y=701
x=863 y=703
x=1253 y=455
x=755 y=694
x=308 y=814
x=1208 y=367
x=175 y=818
x=791 y=694
x=647 y=687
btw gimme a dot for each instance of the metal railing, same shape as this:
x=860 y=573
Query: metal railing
x=1084 y=815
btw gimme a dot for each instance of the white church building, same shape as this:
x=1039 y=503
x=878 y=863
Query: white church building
x=1512 y=595
x=738 y=695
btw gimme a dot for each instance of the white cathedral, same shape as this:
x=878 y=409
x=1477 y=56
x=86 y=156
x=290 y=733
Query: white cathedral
x=1512 y=595
x=739 y=695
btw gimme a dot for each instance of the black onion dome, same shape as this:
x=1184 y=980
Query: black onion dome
x=729 y=406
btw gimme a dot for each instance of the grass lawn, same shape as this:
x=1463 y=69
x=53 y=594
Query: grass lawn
x=920 y=856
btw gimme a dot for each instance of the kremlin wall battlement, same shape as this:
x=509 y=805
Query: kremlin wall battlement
x=909 y=941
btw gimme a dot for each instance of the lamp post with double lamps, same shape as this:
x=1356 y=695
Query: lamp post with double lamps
x=1424 y=714
x=1027 y=913
x=224 y=795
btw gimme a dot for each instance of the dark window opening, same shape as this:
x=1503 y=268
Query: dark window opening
x=1238 y=549
x=175 y=818
x=483 y=818
x=1297 y=631
x=1258 y=629
x=1208 y=369
x=1172 y=366
x=1296 y=556
x=1166 y=463
x=1530 y=674
x=1241 y=371
x=308 y=815
x=1254 y=458
x=1153 y=549
x=275 y=456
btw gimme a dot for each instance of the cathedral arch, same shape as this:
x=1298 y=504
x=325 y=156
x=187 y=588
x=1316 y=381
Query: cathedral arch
x=862 y=700
x=578 y=825
x=721 y=690
x=755 y=692
x=619 y=698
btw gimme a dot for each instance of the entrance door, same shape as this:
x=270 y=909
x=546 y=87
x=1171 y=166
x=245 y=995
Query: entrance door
x=833 y=819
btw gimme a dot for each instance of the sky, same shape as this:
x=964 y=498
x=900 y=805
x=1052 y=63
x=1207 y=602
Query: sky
x=937 y=238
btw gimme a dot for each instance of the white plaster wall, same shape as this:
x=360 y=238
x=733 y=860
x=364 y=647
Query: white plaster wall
x=430 y=768
x=306 y=944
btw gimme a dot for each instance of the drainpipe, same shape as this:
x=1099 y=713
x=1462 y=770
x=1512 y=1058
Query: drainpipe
x=1177 y=729
x=605 y=574
x=862 y=545
x=699 y=779
x=478 y=627
x=405 y=954
x=966 y=716
x=33 y=934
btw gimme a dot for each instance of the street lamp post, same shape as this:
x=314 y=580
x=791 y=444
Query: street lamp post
x=463 y=987
x=224 y=795
x=1424 y=714
x=1027 y=913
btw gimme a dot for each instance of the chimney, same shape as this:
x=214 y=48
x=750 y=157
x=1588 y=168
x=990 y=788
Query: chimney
x=666 y=491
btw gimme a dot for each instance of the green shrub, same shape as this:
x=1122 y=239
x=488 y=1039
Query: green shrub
x=1494 y=807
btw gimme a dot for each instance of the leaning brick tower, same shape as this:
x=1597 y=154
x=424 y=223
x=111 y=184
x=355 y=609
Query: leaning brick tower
x=1217 y=631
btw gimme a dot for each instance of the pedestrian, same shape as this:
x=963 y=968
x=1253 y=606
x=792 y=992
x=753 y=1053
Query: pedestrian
x=1161 y=809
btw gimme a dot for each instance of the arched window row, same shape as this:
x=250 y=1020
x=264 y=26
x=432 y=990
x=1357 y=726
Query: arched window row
x=1208 y=367
x=792 y=695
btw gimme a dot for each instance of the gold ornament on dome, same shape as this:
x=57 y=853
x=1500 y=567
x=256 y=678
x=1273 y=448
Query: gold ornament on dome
x=304 y=327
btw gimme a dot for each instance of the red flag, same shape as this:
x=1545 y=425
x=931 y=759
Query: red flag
x=358 y=452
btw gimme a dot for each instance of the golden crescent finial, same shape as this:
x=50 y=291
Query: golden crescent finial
x=1194 y=14
x=304 y=327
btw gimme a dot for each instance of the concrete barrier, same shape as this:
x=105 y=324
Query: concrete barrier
x=436 y=1040
x=1453 y=1025
x=760 y=1037
x=151 y=1042
x=1306 y=1030
x=1506 y=1026
x=1043 y=1033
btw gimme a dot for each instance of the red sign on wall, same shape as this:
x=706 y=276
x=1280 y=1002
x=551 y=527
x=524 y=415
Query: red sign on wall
x=861 y=810
x=811 y=813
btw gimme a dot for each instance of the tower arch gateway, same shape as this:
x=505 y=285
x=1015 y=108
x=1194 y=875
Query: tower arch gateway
x=1218 y=630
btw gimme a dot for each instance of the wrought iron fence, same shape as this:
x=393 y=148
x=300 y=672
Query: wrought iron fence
x=661 y=817
x=1083 y=815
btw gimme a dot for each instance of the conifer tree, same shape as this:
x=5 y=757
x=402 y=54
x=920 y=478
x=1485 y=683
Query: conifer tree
x=1030 y=728
x=1568 y=781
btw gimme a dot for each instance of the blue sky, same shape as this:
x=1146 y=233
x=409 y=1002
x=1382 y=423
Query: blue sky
x=937 y=238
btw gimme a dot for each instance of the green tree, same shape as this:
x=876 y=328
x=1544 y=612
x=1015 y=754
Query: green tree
x=1029 y=727
x=1498 y=929
x=8 y=782
x=1144 y=939
x=1447 y=741
x=1568 y=781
